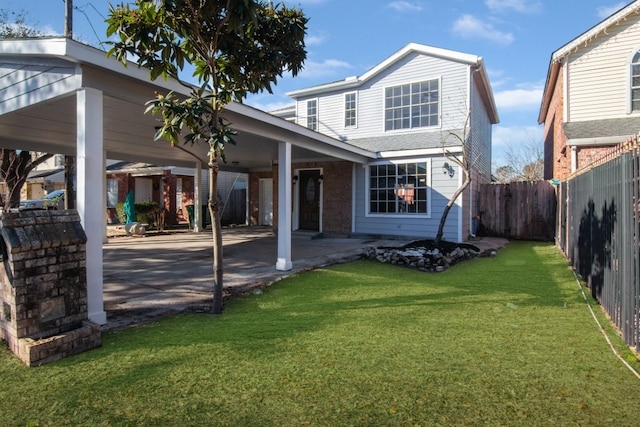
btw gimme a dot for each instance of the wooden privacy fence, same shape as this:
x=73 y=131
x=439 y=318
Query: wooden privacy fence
x=518 y=210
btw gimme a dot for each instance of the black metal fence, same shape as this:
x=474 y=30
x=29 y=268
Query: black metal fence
x=598 y=230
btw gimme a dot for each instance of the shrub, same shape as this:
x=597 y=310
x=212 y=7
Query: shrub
x=145 y=212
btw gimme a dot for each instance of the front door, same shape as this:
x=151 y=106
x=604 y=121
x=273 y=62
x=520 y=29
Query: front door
x=309 y=198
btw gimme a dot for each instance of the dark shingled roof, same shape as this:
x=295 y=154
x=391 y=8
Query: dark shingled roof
x=627 y=126
x=410 y=141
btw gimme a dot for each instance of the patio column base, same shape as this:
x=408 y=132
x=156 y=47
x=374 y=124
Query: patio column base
x=283 y=265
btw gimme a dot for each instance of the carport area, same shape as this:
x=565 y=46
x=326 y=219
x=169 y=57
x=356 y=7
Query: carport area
x=163 y=274
x=60 y=96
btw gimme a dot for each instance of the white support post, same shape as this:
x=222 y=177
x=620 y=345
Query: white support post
x=90 y=191
x=284 y=207
x=197 y=205
x=105 y=234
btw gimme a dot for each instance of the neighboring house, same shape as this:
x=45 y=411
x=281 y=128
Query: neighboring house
x=591 y=100
x=404 y=110
x=169 y=186
x=173 y=188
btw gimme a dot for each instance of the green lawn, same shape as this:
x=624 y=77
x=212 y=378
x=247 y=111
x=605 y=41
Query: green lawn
x=493 y=341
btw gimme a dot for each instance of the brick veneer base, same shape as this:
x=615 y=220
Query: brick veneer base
x=43 y=286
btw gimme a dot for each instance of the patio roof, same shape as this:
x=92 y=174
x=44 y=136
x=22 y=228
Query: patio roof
x=40 y=77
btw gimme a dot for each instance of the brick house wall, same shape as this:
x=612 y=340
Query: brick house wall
x=163 y=189
x=254 y=195
x=336 y=195
x=557 y=156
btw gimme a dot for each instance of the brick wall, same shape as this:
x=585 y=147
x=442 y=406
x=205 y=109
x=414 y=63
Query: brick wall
x=43 y=286
x=557 y=156
x=337 y=194
x=254 y=195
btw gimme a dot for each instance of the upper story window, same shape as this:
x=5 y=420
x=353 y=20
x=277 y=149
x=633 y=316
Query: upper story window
x=312 y=114
x=399 y=188
x=412 y=105
x=350 y=109
x=635 y=82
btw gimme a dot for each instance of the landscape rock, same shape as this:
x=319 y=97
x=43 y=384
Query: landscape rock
x=424 y=256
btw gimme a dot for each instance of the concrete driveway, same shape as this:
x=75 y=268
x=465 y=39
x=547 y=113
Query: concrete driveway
x=162 y=274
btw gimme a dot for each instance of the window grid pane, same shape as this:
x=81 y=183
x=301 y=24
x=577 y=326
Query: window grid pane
x=312 y=114
x=398 y=188
x=635 y=83
x=349 y=110
x=412 y=105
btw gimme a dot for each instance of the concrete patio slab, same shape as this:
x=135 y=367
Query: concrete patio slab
x=162 y=274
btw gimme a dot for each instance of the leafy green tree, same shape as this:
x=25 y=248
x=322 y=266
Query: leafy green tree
x=235 y=47
x=15 y=165
x=14 y=25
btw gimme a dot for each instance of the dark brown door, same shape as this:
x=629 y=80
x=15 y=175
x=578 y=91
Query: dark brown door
x=309 y=200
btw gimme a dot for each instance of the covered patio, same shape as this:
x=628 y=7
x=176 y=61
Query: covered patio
x=60 y=96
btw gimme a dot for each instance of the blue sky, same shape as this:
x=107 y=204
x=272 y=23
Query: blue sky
x=347 y=37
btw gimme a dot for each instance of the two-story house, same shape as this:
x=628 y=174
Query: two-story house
x=591 y=100
x=407 y=110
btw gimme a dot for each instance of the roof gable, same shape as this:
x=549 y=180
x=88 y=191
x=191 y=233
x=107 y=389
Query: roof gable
x=355 y=81
x=631 y=11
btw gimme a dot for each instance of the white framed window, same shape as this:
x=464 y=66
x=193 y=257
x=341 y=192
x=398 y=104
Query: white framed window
x=635 y=82
x=412 y=105
x=350 y=109
x=312 y=114
x=178 y=194
x=399 y=188
x=112 y=193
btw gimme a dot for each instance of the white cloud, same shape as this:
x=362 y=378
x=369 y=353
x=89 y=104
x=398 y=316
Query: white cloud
x=522 y=6
x=519 y=99
x=405 y=6
x=326 y=68
x=468 y=26
x=269 y=103
x=606 y=11
x=315 y=40
x=504 y=137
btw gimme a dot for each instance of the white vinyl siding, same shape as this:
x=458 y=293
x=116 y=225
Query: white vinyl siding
x=599 y=74
x=414 y=67
x=479 y=136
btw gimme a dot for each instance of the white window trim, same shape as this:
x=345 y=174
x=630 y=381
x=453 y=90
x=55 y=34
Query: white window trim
x=629 y=63
x=417 y=129
x=367 y=201
x=306 y=119
x=344 y=118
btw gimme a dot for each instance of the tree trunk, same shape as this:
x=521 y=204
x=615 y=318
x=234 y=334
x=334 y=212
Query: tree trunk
x=69 y=175
x=452 y=200
x=216 y=228
x=14 y=171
